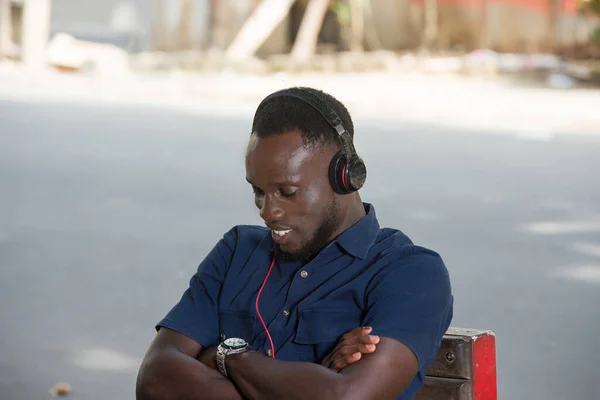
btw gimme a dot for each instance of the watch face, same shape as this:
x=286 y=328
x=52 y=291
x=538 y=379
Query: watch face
x=234 y=343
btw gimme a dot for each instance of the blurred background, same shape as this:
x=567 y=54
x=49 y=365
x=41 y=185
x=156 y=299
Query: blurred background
x=123 y=127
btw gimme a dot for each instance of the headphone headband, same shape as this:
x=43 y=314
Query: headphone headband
x=319 y=105
x=348 y=171
x=322 y=108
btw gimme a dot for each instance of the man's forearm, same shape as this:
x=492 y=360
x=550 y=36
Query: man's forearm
x=173 y=375
x=260 y=377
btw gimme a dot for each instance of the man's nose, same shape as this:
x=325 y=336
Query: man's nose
x=270 y=210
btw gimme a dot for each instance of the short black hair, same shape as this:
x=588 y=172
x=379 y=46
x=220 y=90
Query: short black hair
x=285 y=113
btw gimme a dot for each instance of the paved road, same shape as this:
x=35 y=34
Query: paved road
x=105 y=213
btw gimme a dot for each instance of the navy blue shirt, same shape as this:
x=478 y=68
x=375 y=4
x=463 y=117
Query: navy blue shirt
x=368 y=276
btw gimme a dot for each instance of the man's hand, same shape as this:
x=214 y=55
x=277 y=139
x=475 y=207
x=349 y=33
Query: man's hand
x=208 y=357
x=350 y=348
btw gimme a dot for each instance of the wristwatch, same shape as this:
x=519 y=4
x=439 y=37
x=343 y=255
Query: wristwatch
x=228 y=347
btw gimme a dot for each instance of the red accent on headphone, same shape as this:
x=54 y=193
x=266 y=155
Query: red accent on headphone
x=258 y=312
x=344 y=177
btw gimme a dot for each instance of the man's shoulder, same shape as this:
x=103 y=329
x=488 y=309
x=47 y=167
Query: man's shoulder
x=395 y=249
x=405 y=267
x=392 y=240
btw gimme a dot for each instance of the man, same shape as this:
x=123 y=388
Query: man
x=276 y=312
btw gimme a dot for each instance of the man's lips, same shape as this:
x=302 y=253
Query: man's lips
x=281 y=235
x=281 y=231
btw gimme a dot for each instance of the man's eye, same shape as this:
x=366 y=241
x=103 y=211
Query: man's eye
x=257 y=191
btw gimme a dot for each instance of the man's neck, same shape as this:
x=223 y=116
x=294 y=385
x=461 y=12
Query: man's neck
x=353 y=212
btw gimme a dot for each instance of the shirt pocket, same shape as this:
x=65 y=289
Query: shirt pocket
x=237 y=324
x=319 y=330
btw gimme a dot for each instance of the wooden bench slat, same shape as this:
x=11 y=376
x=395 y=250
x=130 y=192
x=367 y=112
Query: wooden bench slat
x=445 y=389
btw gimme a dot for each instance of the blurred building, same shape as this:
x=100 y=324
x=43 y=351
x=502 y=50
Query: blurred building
x=513 y=25
x=171 y=25
x=125 y=23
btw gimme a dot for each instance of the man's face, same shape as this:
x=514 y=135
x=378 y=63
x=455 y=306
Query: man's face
x=292 y=191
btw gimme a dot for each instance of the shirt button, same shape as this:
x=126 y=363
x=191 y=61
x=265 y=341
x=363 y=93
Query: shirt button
x=269 y=352
x=286 y=312
x=304 y=274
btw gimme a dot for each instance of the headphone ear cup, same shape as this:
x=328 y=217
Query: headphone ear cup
x=337 y=171
x=356 y=173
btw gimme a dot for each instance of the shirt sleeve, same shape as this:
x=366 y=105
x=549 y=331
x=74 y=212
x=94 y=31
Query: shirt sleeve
x=411 y=300
x=196 y=314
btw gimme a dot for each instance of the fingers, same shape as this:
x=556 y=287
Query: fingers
x=351 y=347
x=343 y=362
x=348 y=352
x=361 y=330
x=363 y=339
x=348 y=355
x=368 y=339
x=363 y=344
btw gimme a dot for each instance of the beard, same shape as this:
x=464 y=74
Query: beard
x=311 y=247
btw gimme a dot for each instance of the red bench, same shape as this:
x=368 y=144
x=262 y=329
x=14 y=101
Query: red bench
x=464 y=369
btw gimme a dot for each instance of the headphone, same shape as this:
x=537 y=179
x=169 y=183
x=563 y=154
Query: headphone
x=347 y=171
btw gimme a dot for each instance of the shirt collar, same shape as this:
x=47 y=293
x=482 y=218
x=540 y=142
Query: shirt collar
x=358 y=239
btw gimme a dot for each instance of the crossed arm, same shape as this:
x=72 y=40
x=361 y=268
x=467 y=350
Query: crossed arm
x=380 y=375
x=177 y=367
